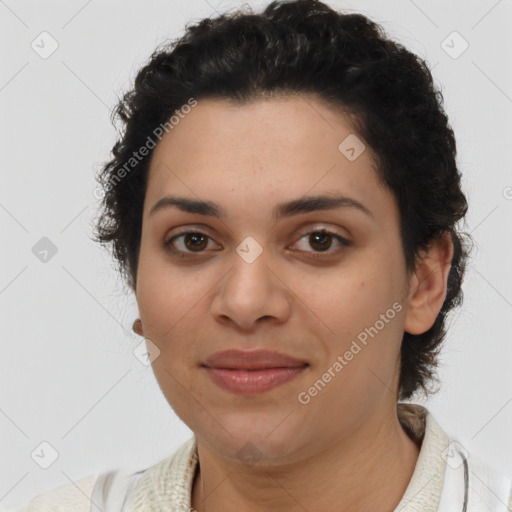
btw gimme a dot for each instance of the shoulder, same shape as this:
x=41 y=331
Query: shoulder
x=447 y=473
x=475 y=481
x=166 y=485
x=168 y=479
x=489 y=486
x=74 y=496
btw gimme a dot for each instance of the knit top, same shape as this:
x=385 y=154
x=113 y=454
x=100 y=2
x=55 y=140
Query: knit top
x=446 y=478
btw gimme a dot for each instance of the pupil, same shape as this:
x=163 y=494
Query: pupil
x=322 y=237
x=195 y=237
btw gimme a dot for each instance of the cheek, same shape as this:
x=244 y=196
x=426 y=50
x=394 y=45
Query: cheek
x=358 y=311
x=173 y=309
x=342 y=303
x=167 y=296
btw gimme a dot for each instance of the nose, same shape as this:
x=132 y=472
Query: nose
x=252 y=293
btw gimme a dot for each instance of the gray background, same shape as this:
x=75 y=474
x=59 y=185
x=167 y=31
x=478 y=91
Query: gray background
x=68 y=373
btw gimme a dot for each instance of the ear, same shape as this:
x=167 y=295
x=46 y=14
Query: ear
x=428 y=285
x=137 y=327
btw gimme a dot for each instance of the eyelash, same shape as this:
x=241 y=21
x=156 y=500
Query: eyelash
x=318 y=254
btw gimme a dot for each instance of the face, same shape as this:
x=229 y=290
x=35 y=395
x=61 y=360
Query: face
x=323 y=284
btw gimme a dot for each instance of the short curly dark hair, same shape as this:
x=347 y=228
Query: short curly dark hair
x=295 y=47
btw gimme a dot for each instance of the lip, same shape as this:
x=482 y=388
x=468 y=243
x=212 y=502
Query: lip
x=248 y=373
x=260 y=359
x=247 y=382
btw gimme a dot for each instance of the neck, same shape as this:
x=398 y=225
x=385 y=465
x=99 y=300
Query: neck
x=366 y=471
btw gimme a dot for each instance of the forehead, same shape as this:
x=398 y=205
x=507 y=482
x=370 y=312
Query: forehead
x=277 y=148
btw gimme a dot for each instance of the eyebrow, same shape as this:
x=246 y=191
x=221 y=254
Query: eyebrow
x=303 y=204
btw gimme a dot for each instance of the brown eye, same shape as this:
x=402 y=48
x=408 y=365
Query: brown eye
x=321 y=241
x=188 y=242
x=195 y=241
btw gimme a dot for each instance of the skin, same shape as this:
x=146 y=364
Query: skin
x=330 y=453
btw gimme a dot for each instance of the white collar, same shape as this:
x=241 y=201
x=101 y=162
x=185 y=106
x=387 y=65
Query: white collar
x=168 y=484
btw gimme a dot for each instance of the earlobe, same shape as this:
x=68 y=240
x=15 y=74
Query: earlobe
x=137 y=327
x=429 y=284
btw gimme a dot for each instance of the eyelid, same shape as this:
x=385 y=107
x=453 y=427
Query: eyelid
x=322 y=227
x=203 y=230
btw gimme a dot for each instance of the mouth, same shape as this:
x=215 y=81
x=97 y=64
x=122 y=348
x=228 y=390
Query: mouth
x=253 y=381
x=252 y=372
x=260 y=359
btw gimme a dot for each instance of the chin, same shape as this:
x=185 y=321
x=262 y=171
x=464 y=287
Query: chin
x=254 y=437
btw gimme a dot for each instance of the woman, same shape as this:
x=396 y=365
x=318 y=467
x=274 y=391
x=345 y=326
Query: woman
x=284 y=204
